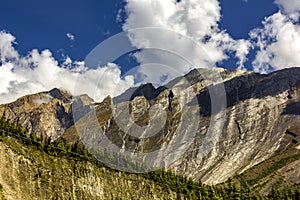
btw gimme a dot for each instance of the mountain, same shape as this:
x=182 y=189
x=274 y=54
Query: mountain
x=209 y=125
x=48 y=114
x=259 y=120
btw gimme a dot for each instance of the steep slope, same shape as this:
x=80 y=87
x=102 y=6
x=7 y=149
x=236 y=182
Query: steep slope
x=277 y=172
x=27 y=173
x=259 y=110
x=188 y=133
x=48 y=114
x=31 y=169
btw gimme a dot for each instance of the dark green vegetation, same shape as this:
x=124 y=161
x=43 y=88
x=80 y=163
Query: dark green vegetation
x=159 y=184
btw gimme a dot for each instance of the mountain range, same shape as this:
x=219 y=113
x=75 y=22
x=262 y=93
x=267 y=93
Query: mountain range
x=211 y=125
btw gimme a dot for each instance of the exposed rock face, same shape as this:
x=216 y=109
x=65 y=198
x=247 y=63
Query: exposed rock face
x=48 y=114
x=259 y=110
x=258 y=113
x=205 y=143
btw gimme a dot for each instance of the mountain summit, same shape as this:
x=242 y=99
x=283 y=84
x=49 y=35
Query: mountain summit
x=47 y=114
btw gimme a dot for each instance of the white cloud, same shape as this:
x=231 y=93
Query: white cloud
x=7 y=52
x=70 y=36
x=197 y=20
x=278 y=42
x=290 y=8
x=39 y=71
x=193 y=23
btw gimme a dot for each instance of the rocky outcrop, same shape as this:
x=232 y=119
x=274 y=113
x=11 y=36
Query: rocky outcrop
x=254 y=127
x=47 y=114
x=198 y=136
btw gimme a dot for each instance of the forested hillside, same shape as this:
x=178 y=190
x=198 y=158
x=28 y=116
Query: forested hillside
x=34 y=169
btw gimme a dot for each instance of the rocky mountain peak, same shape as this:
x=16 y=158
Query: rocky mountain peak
x=60 y=94
x=48 y=114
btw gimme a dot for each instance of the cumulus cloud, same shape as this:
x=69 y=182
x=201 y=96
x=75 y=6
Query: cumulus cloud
x=185 y=34
x=195 y=24
x=39 y=71
x=6 y=47
x=290 y=8
x=278 y=43
x=70 y=36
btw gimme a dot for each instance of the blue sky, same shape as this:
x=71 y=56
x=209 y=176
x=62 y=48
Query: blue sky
x=240 y=17
x=43 y=44
x=44 y=25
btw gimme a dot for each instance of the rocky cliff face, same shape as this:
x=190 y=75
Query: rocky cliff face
x=179 y=126
x=260 y=109
x=47 y=114
x=258 y=112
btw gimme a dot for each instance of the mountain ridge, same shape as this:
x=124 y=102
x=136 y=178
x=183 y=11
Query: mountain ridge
x=259 y=111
